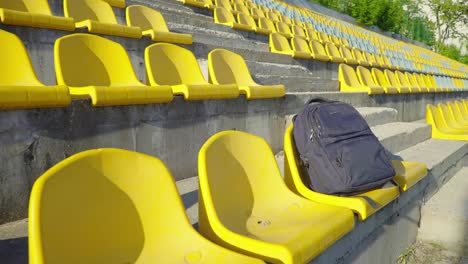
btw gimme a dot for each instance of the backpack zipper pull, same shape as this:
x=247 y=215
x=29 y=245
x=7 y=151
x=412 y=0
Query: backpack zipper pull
x=311 y=135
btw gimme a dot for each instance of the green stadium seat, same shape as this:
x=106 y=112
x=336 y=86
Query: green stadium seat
x=226 y=67
x=171 y=65
x=275 y=225
x=19 y=85
x=33 y=14
x=119 y=206
x=349 y=82
x=153 y=24
x=98 y=17
x=100 y=69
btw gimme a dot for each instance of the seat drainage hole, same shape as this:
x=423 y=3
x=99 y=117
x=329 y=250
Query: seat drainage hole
x=264 y=222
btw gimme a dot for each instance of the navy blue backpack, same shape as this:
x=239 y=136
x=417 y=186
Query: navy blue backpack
x=338 y=149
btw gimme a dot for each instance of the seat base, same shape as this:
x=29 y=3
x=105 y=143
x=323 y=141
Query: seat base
x=123 y=95
x=263 y=31
x=262 y=91
x=206 y=91
x=18 y=18
x=408 y=173
x=110 y=29
x=170 y=37
x=22 y=97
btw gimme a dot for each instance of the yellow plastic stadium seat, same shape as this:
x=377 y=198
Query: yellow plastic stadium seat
x=312 y=35
x=360 y=57
x=349 y=82
x=246 y=206
x=457 y=114
x=347 y=56
x=365 y=78
x=272 y=16
x=226 y=67
x=99 y=68
x=264 y=9
x=371 y=59
x=117 y=3
x=279 y=44
x=286 y=20
x=462 y=108
x=403 y=79
x=449 y=118
x=414 y=83
x=407 y=174
x=345 y=42
x=266 y=25
x=115 y=206
x=420 y=83
x=19 y=86
x=297 y=22
x=226 y=5
x=318 y=51
x=382 y=62
x=153 y=24
x=393 y=81
x=257 y=13
x=298 y=31
x=283 y=29
x=246 y=19
x=199 y=3
x=98 y=17
x=168 y=64
x=430 y=82
x=240 y=8
x=335 y=40
x=333 y=53
x=33 y=14
x=381 y=80
x=224 y=17
x=323 y=37
x=440 y=128
x=300 y=45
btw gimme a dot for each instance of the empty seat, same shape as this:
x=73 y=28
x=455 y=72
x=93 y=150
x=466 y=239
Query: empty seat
x=280 y=44
x=449 y=118
x=33 y=14
x=246 y=19
x=382 y=62
x=224 y=17
x=246 y=206
x=117 y=3
x=347 y=56
x=323 y=37
x=360 y=57
x=153 y=24
x=312 y=35
x=381 y=80
x=99 y=68
x=440 y=128
x=168 y=64
x=365 y=78
x=414 y=79
x=333 y=53
x=272 y=16
x=297 y=179
x=298 y=31
x=318 y=51
x=199 y=3
x=371 y=59
x=422 y=82
x=114 y=206
x=403 y=79
x=266 y=25
x=19 y=86
x=226 y=67
x=256 y=13
x=226 y=5
x=349 y=82
x=98 y=17
x=414 y=83
x=240 y=8
x=393 y=81
x=460 y=118
x=283 y=29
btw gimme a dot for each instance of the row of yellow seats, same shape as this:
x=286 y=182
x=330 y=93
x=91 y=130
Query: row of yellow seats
x=95 y=15
x=299 y=47
x=89 y=66
x=448 y=121
x=379 y=82
x=109 y=204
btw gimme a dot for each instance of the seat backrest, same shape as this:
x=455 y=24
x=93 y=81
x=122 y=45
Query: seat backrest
x=344 y=42
x=241 y=8
x=257 y=12
x=345 y=53
x=429 y=80
x=146 y=18
x=280 y=42
x=369 y=57
x=358 y=55
x=332 y=50
x=349 y=75
x=111 y=204
x=365 y=76
x=298 y=31
x=246 y=19
x=286 y=19
x=238 y=173
x=223 y=15
x=390 y=76
x=85 y=59
x=461 y=107
x=419 y=80
x=169 y=64
x=272 y=16
x=31 y=6
x=300 y=44
x=227 y=67
x=448 y=115
x=16 y=67
x=224 y=4
x=96 y=10
x=411 y=79
x=266 y=23
x=283 y=27
x=436 y=115
x=317 y=48
x=403 y=79
x=379 y=78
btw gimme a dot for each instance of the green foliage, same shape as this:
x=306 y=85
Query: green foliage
x=365 y=11
x=450 y=51
x=391 y=16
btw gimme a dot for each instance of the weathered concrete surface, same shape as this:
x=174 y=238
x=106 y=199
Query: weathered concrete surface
x=444 y=218
x=398 y=136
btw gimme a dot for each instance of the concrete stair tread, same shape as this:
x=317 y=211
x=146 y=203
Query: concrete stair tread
x=398 y=136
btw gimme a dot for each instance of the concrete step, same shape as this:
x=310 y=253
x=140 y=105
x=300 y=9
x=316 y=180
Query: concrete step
x=300 y=84
x=398 y=136
x=267 y=68
x=444 y=218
